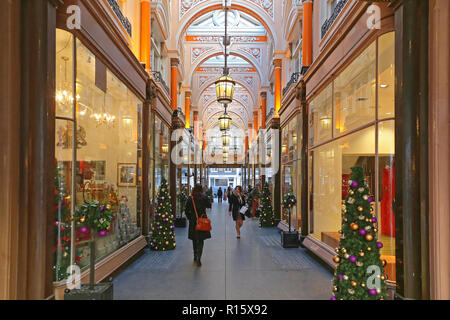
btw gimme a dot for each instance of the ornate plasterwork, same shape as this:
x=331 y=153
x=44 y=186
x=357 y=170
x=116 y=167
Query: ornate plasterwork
x=234 y=39
x=186 y=5
x=254 y=52
x=266 y=5
x=217 y=109
x=220 y=69
x=196 y=52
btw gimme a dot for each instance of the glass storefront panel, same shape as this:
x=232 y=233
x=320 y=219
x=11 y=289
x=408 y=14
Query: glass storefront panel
x=64 y=91
x=162 y=149
x=386 y=192
x=290 y=184
x=386 y=75
x=106 y=166
x=331 y=168
x=108 y=161
x=354 y=92
x=320 y=113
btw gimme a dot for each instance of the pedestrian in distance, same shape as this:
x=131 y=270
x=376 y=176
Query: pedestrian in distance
x=237 y=201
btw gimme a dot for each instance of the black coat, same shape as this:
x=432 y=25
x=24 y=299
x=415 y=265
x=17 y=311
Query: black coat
x=235 y=207
x=219 y=193
x=201 y=204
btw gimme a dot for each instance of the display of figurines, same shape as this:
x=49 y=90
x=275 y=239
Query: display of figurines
x=126 y=226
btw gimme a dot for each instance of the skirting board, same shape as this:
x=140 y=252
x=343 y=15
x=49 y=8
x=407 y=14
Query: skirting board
x=106 y=266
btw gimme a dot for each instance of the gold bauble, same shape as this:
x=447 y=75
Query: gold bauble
x=354 y=283
x=369 y=249
x=375 y=230
x=336 y=259
x=336 y=250
x=360 y=209
x=345 y=219
x=335 y=288
x=354 y=226
x=382 y=277
x=383 y=262
x=361 y=253
x=363 y=285
x=344 y=251
x=167 y=242
x=367 y=220
x=369 y=237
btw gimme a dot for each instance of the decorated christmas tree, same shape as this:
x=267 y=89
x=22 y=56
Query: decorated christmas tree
x=163 y=235
x=266 y=219
x=359 y=274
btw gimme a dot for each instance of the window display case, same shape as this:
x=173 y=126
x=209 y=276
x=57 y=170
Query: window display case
x=98 y=152
x=290 y=167
x=358 y=129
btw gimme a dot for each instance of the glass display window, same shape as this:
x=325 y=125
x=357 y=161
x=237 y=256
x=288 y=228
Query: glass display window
x=320 y=113
x=290 y=169
x=332 y=165
x=162 y=149
x=372 y=147
x=354 y=92
x=99 y=159
x=386 y=193
x=386 y=75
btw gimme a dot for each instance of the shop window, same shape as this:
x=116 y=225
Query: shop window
x=320 y=121
x=386 y=76
x=290 y=169
x=386 y=193
x=161 y=153
x=354 y=93
x=106 y=164
x=332 y=165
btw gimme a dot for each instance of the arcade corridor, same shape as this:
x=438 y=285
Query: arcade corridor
x=254 y=267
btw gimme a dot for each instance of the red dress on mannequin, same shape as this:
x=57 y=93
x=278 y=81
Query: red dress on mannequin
x=387 y=212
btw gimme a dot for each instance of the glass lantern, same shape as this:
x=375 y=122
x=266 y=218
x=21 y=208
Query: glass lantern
x=224 y=121
x=226 y=139
x=225 y=89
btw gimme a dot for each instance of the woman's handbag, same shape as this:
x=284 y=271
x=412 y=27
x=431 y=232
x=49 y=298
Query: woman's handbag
x=203 y=223
x=243 y=209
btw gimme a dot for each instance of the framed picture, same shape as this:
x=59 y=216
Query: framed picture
x=126 y=174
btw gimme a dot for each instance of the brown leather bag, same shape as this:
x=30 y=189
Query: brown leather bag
x=203 y=223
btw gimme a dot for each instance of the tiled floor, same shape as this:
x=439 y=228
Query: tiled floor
x=254 y=267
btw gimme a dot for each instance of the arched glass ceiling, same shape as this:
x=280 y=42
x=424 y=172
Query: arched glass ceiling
x=239 y=23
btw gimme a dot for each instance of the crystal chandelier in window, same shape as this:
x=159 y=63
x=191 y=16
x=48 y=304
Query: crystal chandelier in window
x=104 y=118
x=64 y=96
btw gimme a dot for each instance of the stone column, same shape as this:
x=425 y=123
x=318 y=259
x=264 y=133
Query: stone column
x=411 y=149
x=146 y=35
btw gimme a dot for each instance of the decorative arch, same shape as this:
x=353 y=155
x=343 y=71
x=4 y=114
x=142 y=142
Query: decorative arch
x=209 y=54
x=197 y=98
x=211 y=5
x=240 y=124
x=229 y=110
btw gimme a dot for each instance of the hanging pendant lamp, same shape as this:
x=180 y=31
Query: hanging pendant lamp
x=225 y=84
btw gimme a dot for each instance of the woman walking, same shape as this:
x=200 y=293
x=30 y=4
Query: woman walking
x=229 y=193
x=196 y=207
x=237 y=201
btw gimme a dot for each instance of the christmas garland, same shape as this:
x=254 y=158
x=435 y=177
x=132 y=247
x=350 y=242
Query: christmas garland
x=96 y=216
